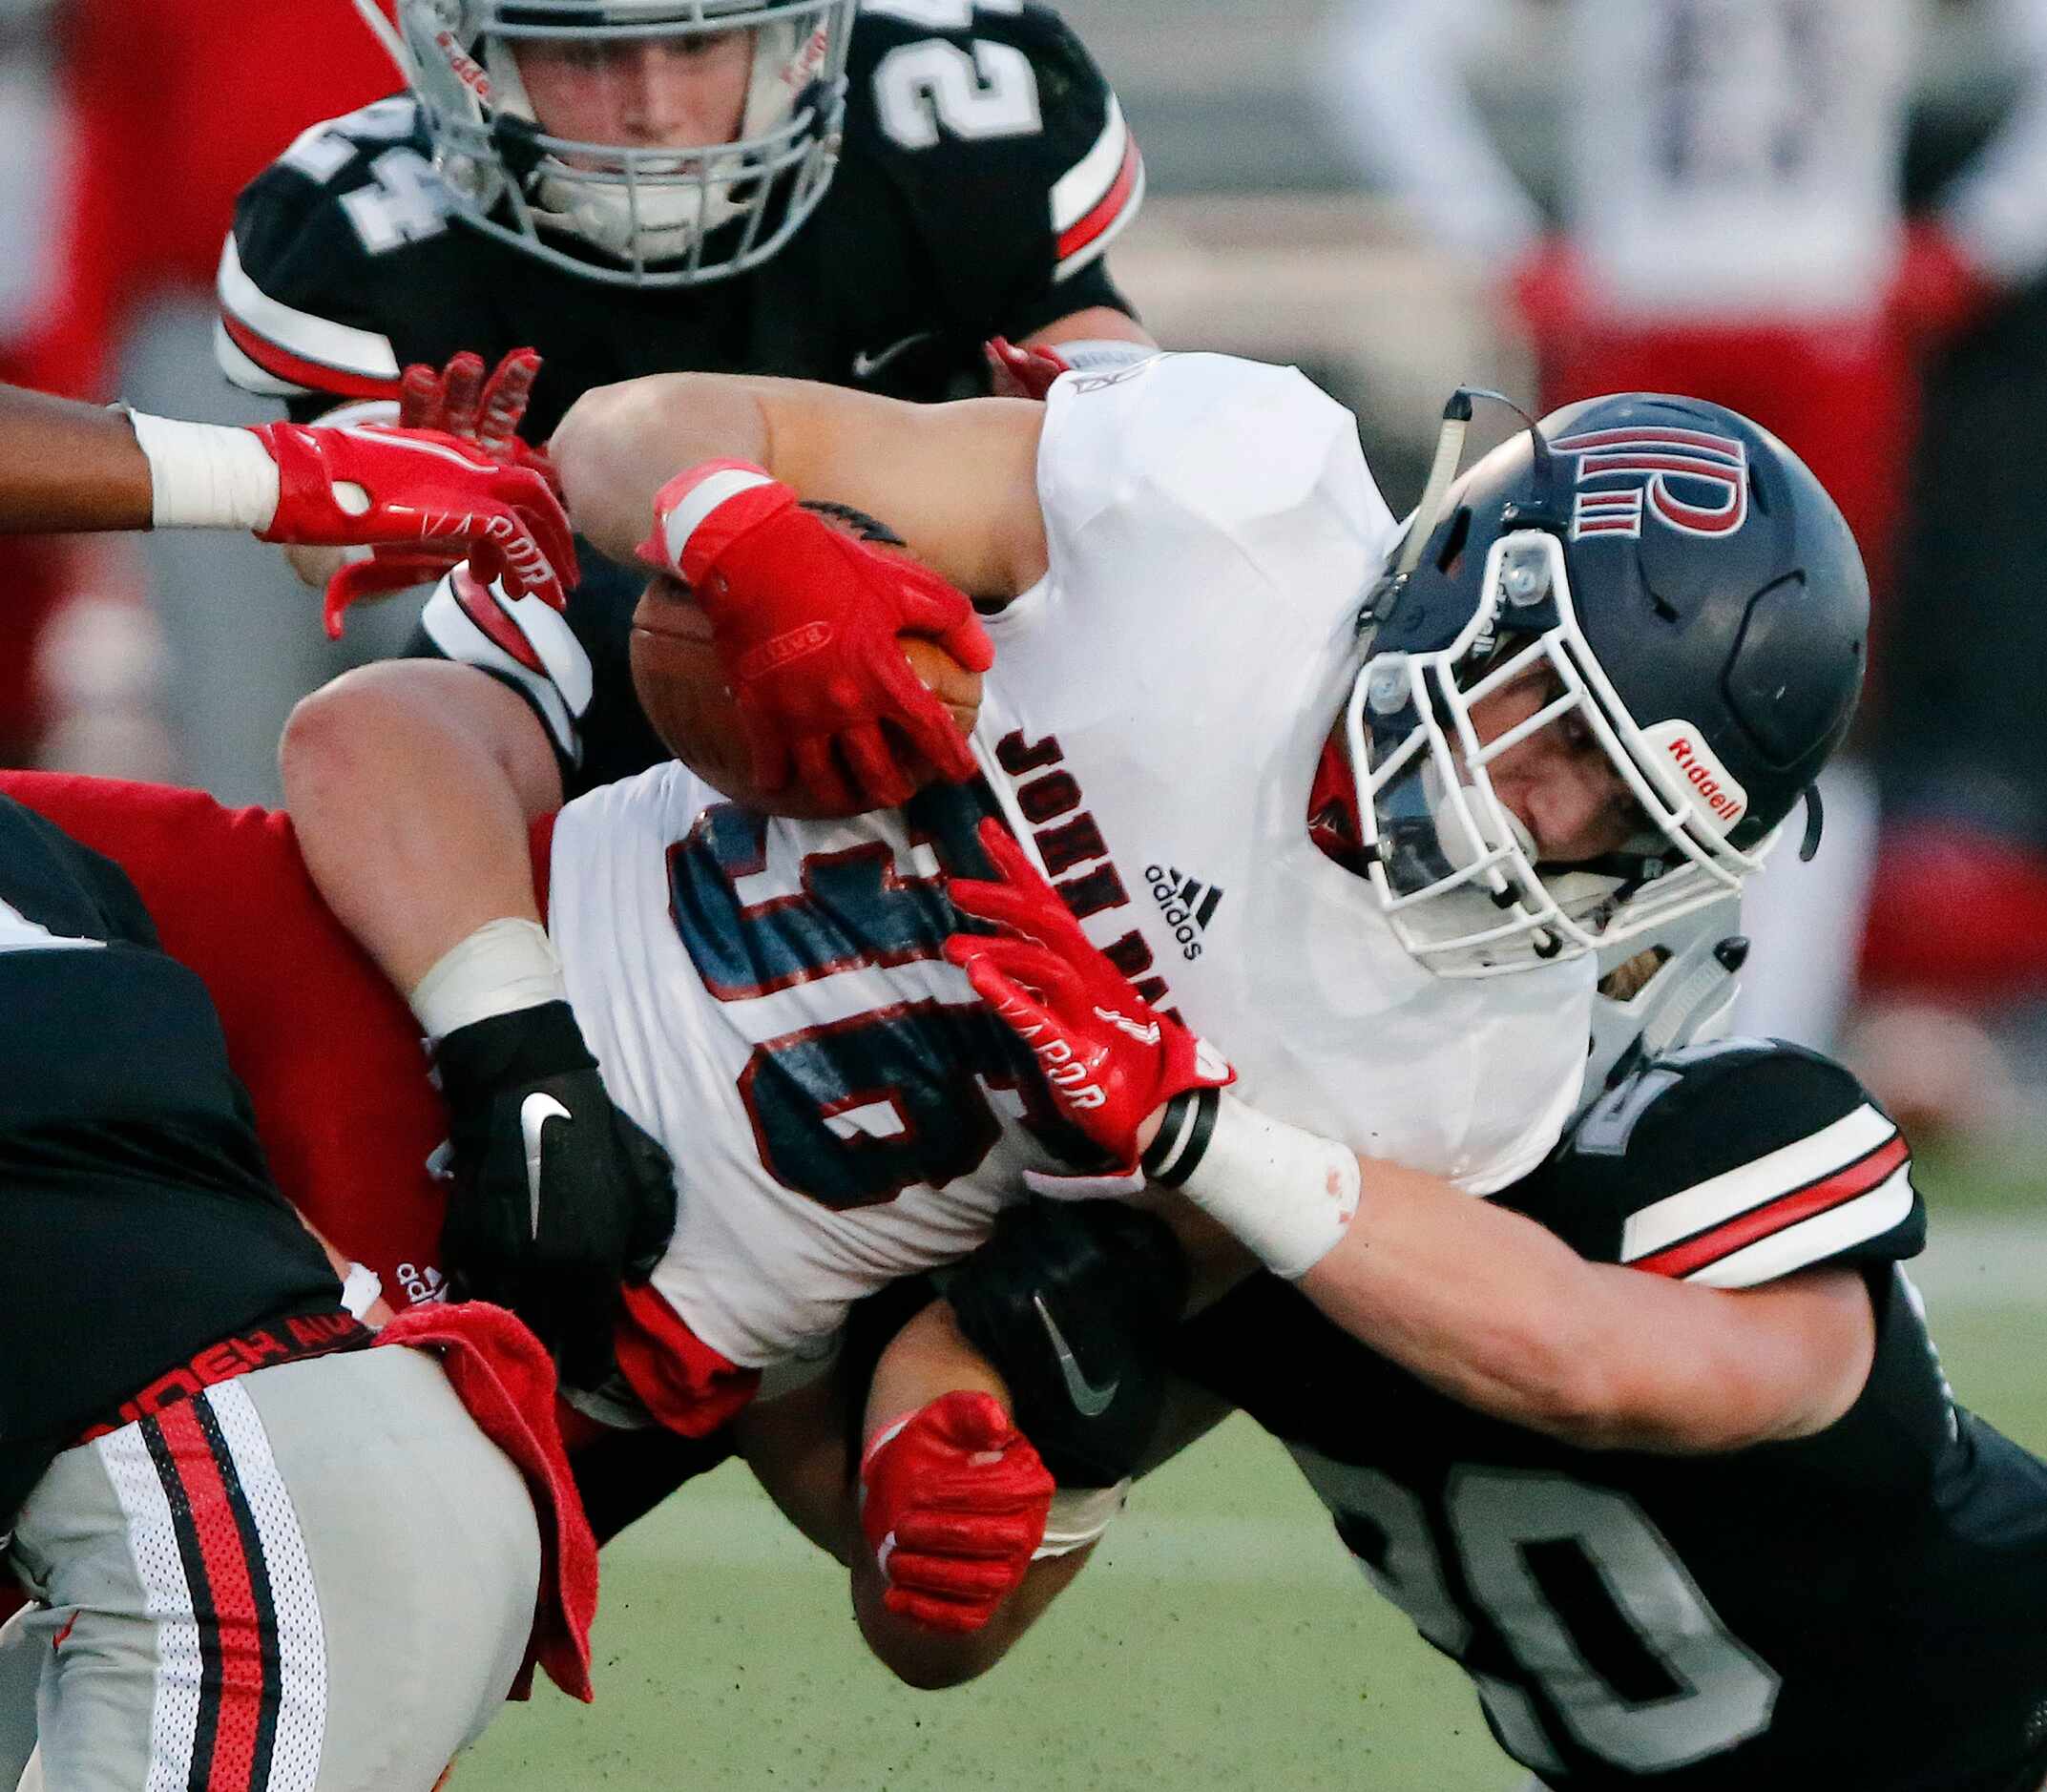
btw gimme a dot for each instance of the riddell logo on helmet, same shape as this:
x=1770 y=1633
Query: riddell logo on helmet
x=1696 y=773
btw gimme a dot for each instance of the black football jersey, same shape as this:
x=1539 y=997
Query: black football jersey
x=1866 y=1607
x=139 y=1223
x=962 y=209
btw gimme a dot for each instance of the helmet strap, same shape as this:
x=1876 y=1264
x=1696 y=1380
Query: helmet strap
x=1815 y=820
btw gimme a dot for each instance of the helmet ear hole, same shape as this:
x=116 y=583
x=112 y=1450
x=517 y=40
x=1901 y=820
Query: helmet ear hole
x=1452 y=551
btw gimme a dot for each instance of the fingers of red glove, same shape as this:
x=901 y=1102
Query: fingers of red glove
x=999 y=1527
x=1022 y=372
x=461 y=384
x=934 y=605
x=969 y=1421
x=378 y=577
x=488 y=562
x=917 y=711
x=981 y=1580
x=503 y=550
x=420 y=404
x=884 y=784
x=533 y=507
x=1028 y=964
x=968 y=642
x=1010 y=1003
x=502 y=407
x=817 y=767
x=1013 y=865
x=1003 y=380
x=1022 y=901
x=1028 y=915
x=925 y=603
x=946 y=1615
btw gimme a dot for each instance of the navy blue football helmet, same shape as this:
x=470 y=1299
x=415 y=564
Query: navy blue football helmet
x=1698 y=604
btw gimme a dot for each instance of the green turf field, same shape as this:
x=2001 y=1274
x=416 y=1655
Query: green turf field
x=1220 y=1640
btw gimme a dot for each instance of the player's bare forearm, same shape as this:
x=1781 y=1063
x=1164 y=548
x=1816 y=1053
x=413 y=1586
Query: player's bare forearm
x=69 y=466
x=957 y=482
x=796 y=1445
x=1502 y=1316
x=926 y=1358
x=411 y=784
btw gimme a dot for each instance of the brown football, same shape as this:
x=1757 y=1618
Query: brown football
x=681 y=686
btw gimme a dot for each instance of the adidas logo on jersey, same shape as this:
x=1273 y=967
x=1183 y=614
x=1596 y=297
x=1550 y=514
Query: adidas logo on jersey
x=1187 y=903
x=421 y=1283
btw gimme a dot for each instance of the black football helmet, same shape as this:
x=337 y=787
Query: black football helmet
x=1700 y=604
x=622 y=214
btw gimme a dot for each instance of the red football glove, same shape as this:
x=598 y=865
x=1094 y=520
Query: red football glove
x=952 y=1501
x=805 y=620
x=458 y=400
x=1014 y=372
x=435 y=497
x=1110 y=1059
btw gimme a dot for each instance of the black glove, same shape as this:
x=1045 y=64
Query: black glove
x=557 y=1197
x=1075 y=1306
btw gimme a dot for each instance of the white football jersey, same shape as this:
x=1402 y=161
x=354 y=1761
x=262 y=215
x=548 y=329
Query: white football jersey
x=768 y=998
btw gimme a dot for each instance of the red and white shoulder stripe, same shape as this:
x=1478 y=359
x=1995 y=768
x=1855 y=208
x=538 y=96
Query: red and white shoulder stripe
x=1793 y=1207
x=1096 y=197
x=266 y=345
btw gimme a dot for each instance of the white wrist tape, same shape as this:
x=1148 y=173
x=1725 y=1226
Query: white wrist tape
x=506 y=965
x=1286 y=1193
x=360 y=1289
x=1079 y=1517
x=206 y=475
x=1100 y=354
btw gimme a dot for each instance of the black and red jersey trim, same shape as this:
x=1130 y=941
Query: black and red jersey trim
x=1837 y=1189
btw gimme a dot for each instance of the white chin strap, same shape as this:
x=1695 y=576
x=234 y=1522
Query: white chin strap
x=657 y=218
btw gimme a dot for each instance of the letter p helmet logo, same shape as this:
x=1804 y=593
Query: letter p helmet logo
x=1687 y=479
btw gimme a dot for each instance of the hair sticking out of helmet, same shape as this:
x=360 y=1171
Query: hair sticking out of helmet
x=1675 y=989
x=1667 y=587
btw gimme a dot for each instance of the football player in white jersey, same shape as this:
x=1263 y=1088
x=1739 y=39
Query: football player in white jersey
x=1596 y=674
x=1732 y=221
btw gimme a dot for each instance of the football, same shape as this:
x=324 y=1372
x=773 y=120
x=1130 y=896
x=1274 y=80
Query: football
x=681 y=687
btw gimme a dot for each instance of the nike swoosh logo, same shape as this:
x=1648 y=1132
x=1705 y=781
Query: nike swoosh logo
x=1089 y=1401
x=534 y=1113
x=867 y=365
